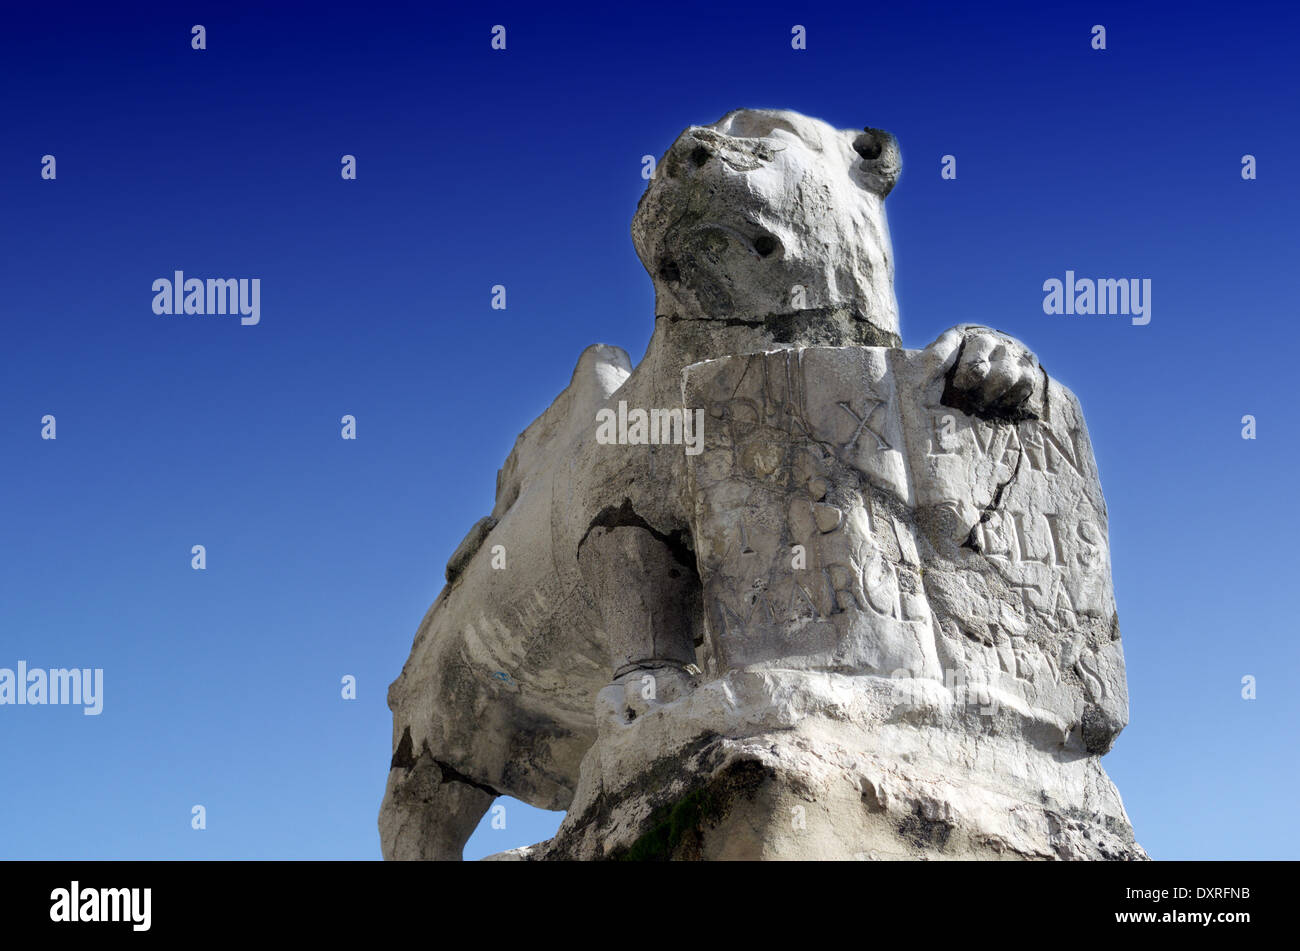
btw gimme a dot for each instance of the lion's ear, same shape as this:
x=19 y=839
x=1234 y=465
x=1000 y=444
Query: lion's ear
x=879 y=161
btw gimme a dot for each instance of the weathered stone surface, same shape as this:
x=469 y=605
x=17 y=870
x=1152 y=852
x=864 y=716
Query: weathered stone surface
x=859 y=606
x=814 y=765
x=743 y=212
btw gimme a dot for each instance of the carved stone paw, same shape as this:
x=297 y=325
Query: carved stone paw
x=990 y=375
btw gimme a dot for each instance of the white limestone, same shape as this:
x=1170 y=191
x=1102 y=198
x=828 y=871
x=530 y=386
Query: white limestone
x=869 y=616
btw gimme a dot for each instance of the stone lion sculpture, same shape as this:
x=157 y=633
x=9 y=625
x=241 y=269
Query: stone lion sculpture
x=868 y=613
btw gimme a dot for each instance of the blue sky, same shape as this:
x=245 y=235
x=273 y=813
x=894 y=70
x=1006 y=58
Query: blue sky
x=523 y=168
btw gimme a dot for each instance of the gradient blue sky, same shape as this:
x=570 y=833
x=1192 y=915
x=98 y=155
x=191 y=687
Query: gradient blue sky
x=523 y=168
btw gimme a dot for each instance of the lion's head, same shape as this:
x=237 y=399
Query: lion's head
x=767 y=214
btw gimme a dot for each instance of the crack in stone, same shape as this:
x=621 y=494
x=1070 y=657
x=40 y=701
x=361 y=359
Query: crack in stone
x=452 y=775
x=992 y=507
x=404 y=758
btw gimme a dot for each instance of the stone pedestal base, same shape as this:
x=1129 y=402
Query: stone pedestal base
x=782 y=764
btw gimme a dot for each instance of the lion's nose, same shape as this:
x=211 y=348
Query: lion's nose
x=880 y=163
x=869 y=144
